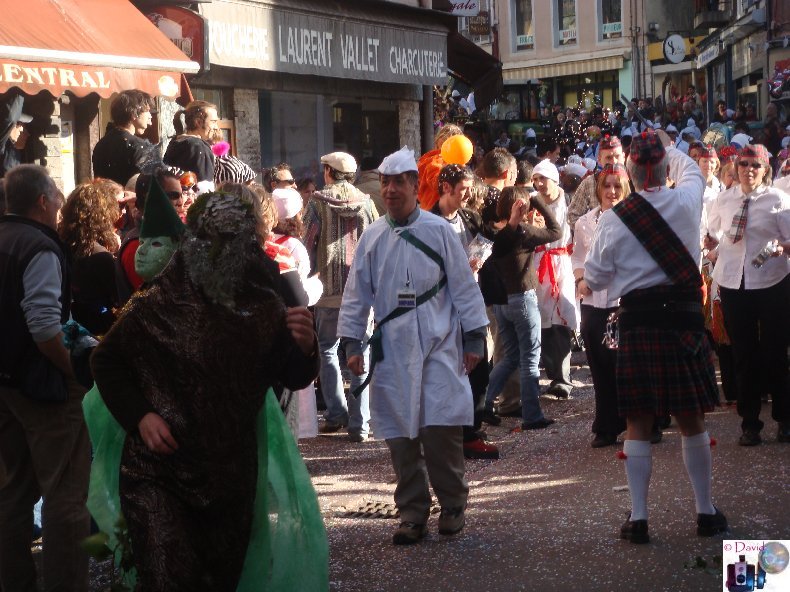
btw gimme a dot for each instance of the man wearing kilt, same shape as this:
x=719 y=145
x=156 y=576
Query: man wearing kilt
x=646 y=252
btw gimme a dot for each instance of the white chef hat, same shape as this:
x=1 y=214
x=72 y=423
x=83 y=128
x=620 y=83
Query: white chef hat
x=398 y=162
x=574 y=159
x=671 y=129
x=288 y=202
x=740 y=140
x=691 y=122
x=590 y=163
x=547 y=169
x=575 y=169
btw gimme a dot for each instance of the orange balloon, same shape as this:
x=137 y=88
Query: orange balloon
x=457 y=150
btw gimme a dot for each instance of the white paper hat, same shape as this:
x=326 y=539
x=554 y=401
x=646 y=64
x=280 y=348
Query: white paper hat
x=398 y=162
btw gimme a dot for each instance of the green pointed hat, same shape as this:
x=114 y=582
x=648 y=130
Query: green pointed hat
x=160 y=217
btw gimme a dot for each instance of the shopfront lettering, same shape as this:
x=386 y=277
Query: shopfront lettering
x=360 y=53
x=55 y=77
x=416 y=62
x=239 y=41
x=306 y=47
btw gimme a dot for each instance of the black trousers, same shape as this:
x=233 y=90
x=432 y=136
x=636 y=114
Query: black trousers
x=555 y=351
x=758 y=323
x=478 y=380
x=602 y=367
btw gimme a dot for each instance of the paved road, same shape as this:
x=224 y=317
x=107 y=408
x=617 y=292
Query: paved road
x=545 y=516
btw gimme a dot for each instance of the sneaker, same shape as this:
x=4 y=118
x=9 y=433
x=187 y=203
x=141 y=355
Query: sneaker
x=537 y=425
x=409 y=533
x=783 y=434
x=711 y=524
x=330 y=427
x=635 y=531
x=451 y=520
x=490 y=417
x=478 y=448
x=603 y=440
x=357 y=437
x=750 y=438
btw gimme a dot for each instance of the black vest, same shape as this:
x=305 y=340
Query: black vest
x=21 y=239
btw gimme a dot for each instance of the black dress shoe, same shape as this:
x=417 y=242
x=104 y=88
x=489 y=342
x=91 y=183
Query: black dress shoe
x=603 y=440
x=711 y=524
x=537 y=425
x=635 y=531
x=750 y=438
x=490 y=417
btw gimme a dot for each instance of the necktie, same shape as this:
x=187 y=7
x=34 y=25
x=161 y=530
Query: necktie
x=738 y=225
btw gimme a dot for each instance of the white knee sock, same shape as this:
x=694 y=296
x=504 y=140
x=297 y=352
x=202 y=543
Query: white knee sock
x=696 y=456
x=638 y=466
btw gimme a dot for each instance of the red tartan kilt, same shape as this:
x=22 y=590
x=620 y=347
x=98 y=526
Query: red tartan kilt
x=665 y=371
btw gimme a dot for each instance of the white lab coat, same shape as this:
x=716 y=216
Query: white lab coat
x=421 y=381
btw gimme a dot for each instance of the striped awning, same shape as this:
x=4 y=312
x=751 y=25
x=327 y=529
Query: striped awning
x=564 y=68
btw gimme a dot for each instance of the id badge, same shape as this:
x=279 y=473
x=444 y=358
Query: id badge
x=407 y=298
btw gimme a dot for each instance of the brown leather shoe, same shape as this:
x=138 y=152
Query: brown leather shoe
x=635 y=531
x=409 y=533
x=451 y=520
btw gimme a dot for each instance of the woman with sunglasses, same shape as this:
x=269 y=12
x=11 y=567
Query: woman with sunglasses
x=748 y=219
x=611 y=186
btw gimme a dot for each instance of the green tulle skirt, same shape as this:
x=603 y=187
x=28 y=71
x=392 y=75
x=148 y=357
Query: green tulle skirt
x=288 y=549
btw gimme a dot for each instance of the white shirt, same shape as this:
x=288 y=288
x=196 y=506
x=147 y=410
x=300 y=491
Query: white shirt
x=783 y=183
x=619 y=262
x=582 y=241
x=768 y=219
x=312 y=285
x=421 y=380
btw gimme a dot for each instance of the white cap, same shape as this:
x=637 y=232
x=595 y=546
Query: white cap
x=288 y=202
x=340 y=161
x=590 y=164
x=691 y=130
x=741 y=140
x=547 y=169
x=575 y=169
x=398 y=162
x=691 y=122
x=530 y=133
x=672 y=129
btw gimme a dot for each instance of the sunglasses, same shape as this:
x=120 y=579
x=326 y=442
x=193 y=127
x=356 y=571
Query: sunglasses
x=286 y=181
x=174 y=195
x=754 y=165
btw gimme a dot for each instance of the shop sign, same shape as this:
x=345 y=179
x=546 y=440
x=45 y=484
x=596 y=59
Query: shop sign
x=480 y=24
x=186 y=29
x=277 y=40
x=708 y=55
x=525 y=40
x=674 y=49
x=465 y=8
x=612 y=28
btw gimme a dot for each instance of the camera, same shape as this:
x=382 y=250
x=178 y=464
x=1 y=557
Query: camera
x=743 y=577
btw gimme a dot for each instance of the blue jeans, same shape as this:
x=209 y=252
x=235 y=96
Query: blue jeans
x=518 y=324
x=340 y=408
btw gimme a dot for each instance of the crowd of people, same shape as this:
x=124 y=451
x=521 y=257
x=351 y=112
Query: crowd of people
x=437 y=290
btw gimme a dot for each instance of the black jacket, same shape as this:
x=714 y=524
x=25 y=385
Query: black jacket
x=190 y=153
x=120 y=155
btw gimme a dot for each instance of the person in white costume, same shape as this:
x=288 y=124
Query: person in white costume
x=430 y=325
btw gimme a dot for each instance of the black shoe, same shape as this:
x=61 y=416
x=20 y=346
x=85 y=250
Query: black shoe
x=783 y=434
x=635 y=531
x=656 y=436
x=537 y=425
x=490 y=417
x=711 y=524
x=603 y=440
x=558 y=391
x=750 y=438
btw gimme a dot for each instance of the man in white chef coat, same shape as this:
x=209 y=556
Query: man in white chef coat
x=430 y=326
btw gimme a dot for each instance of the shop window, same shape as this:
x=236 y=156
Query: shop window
x=610 y=22
x=523 y=26
x=565 y=22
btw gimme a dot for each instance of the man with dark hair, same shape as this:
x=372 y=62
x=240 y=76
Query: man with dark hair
x=455 y=183
x=333 y=224
x=646 y=252
x=44 y=446
x=548 y=148
x=13 y=135
x=279 y=177
x=499 y=171
x=122 y=153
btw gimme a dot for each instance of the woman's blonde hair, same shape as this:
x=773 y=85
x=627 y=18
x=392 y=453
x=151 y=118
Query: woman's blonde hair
x=622 y=178
x=89 y=217
x=446 y=131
